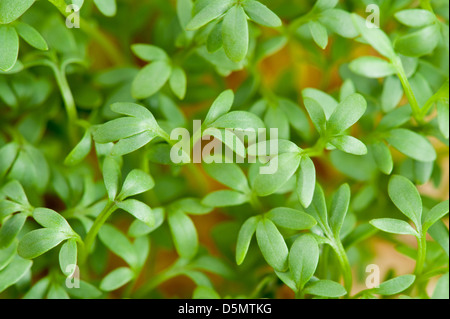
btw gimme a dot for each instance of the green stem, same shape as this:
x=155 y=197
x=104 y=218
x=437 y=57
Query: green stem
x=417 y=112
x=421 y=254
x=92 y=234
x=345 y=265
x=318 y=149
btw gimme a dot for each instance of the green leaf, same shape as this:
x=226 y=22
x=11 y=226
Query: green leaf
x=287 y=164
x=228 y=174
x=118 y=243
x=439 y=232
x=372 y=67
x=303 y=259
x=50 y=219
x=68 y=257
x=137 y=111
x=306 y=181
x=120 y=128
x=11 y=10
x=443 y=118
x=392 y=93
x=111 y=176
x=38 y=242
x=151 y=79
x=149 y=53
x=235 y=34
x=245 y=237
x=228 y=138
x=11 y=228
x=319 y=33
x=139 y=210
x=116 y=279
x=130 y=144
x=239 y=120
x=85 y=291
x=210 y=12
x=325 y=288
x=178 y=82
x=415 y=18
x=322 y=5
x=272 y=245
x=31 y=36
x=318 y=207
x=406 y=197
x=374 y=36
x=291 y=218
x=138 y=228
x=349 y=144
x=325 y=102
x=80 y=151
x=215 y=41
x=56 y=291
x=382 y=157
x=107 y=7
x=419 y=43
x=7 y=208
x=221 y=106
x=184 y=234
x=441 y=291
x=38 y=290
x=412 y=145
x=136 y=182
x=261 y=14
x=393 y=226
x=435 y=214
x=191 y=206
x=7 y=254
x=394 y=286
x=225 y=198
x=8 y=154
x=339 y=21
x=9 y=50
x=339 y=208
x=347 y=113
x=14 y=272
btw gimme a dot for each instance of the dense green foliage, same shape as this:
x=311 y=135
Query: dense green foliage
x=87 y=177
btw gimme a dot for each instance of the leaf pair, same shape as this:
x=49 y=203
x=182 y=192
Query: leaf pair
x=26 y=164
x=132 y=132
x=303 y=261
x=425 y=37
x=331 y=120
x=233 y=31
x=406 y=197
x=11 y=223
x=183 y=230
x=136 y=182
x=270 y=241
x=135 y=255
x=57 y=230
x=284 y=163
x=155 y=75
x=9 y=37
x=231 y=175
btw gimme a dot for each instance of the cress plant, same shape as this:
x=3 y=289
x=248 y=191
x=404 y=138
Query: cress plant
x=93 y=205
